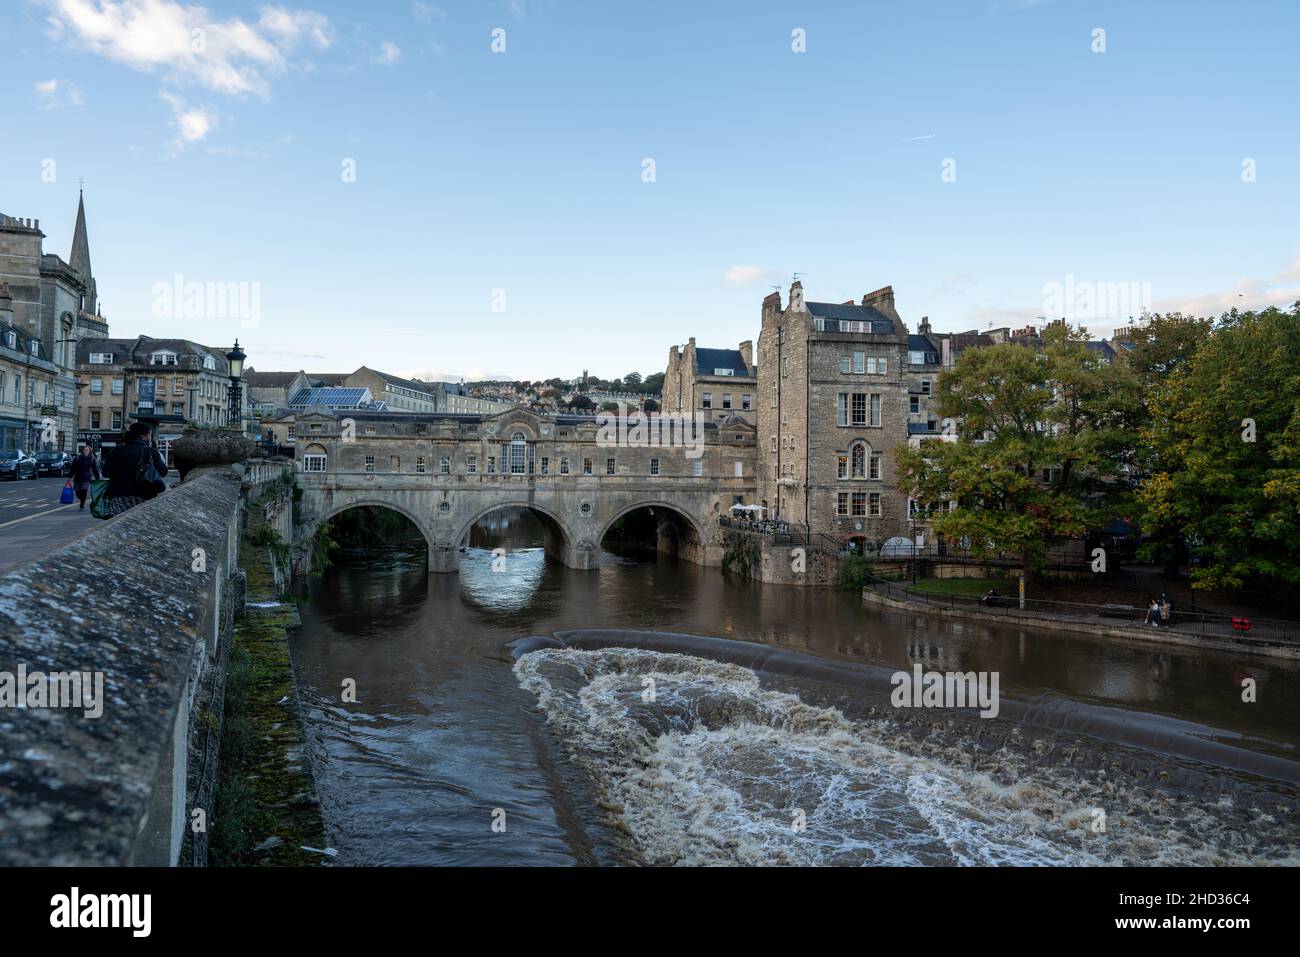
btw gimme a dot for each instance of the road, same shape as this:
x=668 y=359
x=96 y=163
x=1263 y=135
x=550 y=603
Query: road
x=32 y=521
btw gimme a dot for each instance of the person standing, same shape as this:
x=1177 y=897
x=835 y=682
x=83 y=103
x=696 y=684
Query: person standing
x=125 y=465
x=83 y=471
x=1166 y=611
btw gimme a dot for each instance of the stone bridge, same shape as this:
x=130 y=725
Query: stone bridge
x=578 y=474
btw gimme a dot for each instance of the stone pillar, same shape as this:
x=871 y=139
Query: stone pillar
x=444 y=559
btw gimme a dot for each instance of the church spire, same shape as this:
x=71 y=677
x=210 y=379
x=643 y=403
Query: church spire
x=79 y=259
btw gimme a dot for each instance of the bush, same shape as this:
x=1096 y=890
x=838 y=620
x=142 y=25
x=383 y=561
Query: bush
x=854 y=572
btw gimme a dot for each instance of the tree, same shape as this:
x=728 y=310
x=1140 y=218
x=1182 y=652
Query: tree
x=653 y=383
x=610 y=406
x=1225 y=451
x=581 y=403
x=632 y=380
x=1040 y=437
x=649 y=405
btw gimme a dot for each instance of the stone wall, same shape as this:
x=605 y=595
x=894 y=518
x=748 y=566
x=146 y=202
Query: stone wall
x=147 y=600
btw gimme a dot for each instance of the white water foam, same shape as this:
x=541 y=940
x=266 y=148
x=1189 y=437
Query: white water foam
x=716 y=768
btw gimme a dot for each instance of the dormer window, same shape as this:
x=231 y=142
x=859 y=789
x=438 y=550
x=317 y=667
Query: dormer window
x=11 y=339
x=724 y=371
x=101 y=358
x=35 y=347
x=208 y=362
x=162 y=358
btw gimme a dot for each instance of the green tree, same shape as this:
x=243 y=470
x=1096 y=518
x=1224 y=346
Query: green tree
x=1224 y=437
x=1040 y=441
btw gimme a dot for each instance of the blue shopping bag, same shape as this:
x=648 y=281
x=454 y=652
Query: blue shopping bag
x=66 y=496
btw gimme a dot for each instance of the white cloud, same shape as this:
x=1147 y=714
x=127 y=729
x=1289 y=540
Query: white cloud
x=744 y=275
x=426 y=12
x=192 y=123
x=53 y=93
x=389 y=53
x=187 y=44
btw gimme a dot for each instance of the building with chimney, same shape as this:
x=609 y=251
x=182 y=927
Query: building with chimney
x=715 y=383
x=835 y=383
x=51 y=304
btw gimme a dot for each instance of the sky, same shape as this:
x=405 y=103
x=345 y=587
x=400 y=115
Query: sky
x=526 y=189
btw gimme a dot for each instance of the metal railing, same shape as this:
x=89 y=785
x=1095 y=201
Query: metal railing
x=1237 y=627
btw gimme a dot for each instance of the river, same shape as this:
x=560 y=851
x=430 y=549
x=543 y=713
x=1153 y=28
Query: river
x=730 y=722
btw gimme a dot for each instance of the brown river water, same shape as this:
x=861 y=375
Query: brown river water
x=656 y=712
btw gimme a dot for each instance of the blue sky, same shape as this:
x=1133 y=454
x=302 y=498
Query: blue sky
x=500 y=222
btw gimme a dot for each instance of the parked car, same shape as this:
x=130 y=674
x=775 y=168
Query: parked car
x=16 y=464
x=54 y=463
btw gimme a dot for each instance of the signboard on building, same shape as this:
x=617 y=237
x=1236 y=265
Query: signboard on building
x=146 y=389
x=49 y=410
x=89 y=438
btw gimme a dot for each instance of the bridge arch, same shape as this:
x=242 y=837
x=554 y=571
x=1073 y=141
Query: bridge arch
x=558 y=538
x=681 y=521
x=380 y=503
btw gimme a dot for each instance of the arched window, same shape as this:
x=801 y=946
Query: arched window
x=313 y=458
x=859 y=457
x=518 y=453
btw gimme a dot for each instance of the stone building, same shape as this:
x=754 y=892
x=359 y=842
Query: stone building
x=716 y=383
x=54 y=303
x=27 y=383
x=190 y=383
x=397 y=394
x=835 y=383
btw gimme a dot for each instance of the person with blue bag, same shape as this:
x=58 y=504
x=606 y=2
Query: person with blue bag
x=83 y=471
x=134 y=474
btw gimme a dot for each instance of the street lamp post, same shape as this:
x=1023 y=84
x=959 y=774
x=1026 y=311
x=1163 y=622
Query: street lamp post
x=234 y=414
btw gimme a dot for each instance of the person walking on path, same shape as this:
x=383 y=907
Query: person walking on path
x=84 y=470
x=1166 y=611
x=1153 y=613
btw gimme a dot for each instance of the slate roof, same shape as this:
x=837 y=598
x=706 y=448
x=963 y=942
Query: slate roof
x=268 y=380
x=848 y=312
x=708 y=360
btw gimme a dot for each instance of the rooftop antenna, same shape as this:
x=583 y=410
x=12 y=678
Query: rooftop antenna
x=795 y=276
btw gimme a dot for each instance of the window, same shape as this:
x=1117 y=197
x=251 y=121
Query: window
x=746 y=402
x=699 y=468
x=859 y=460
x=842 y=503
x=707 y=401
x=370 y=463
x=178 y=408
x=491 y=464
x=726 y=400
x=546 y=465
x=35 y=347
x=875 y=410
x=209 y=362
x=419 y=463
x=370 y=430
x=394 y=463
x=313 y=463
x=841 y=465
x=925 y=386
x=564 y=465
x=609 y=466
x=654 y=466
x=116 y=388
x=846 y=364
x=859 y=363
x=117 y=420
x=101 y=358
x=586 y=466
x=444 y=465
x=471 y=464
x=875 y=466
x=739 y=470
x=94 y=418
x=774 y=443
x=859 y=408
x=916 y=358
x=162 y=359
x=785 y=367
x=842 y=410
x=314 y=427
x=518 y=453
x=96 y=386
x=859 y=504
x=292 y=433
x=178 y=388
x=874 y=499
x=914 y=404
x=775 y=393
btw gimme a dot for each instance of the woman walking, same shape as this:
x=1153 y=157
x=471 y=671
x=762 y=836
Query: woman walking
x=84 y=470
